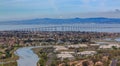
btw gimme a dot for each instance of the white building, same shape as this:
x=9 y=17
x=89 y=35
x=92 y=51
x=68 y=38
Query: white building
x=77 y=46
x=94 y=44
x=67 y=52
x=109 y=46
x=87 y=53
x=60 y=48
x=63 y=56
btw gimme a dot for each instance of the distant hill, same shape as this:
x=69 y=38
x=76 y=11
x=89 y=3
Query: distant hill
x=63 y=21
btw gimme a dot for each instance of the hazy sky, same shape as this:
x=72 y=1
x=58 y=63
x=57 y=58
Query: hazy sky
x=30 y=9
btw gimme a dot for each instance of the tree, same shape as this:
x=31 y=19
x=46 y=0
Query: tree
x=113 y=47
x=66 y=60
x=85 y=63
x=53 y=63
x=42 y=62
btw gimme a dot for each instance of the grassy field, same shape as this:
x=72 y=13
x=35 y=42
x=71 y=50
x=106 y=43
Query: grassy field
x=11 y=61
x=13 y=57
x=9 y=64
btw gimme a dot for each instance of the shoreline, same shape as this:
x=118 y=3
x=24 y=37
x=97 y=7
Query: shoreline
x=26 y=54
x=8 y=61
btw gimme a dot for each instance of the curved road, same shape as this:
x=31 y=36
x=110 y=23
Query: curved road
x=26 y=57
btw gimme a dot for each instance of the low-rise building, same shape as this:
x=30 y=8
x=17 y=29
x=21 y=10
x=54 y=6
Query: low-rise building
x=77 y=46
x=94 y=44
x=67 y=52
x=109 y=46
x=63 y=56
x=86 y=53
x=60 y=48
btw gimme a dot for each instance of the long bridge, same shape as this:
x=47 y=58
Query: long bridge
x=63 y=28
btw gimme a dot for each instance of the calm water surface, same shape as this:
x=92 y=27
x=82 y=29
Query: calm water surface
x=118 y=39
x=26 y=57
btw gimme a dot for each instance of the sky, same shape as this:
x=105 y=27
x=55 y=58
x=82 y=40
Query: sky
x=30 y=9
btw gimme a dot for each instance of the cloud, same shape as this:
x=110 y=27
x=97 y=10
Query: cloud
x=10 y=9
x=107 y=14
x=88 y=1
x=53 y=5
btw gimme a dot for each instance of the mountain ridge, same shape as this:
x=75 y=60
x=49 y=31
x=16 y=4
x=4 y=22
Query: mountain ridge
x=99 y=20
